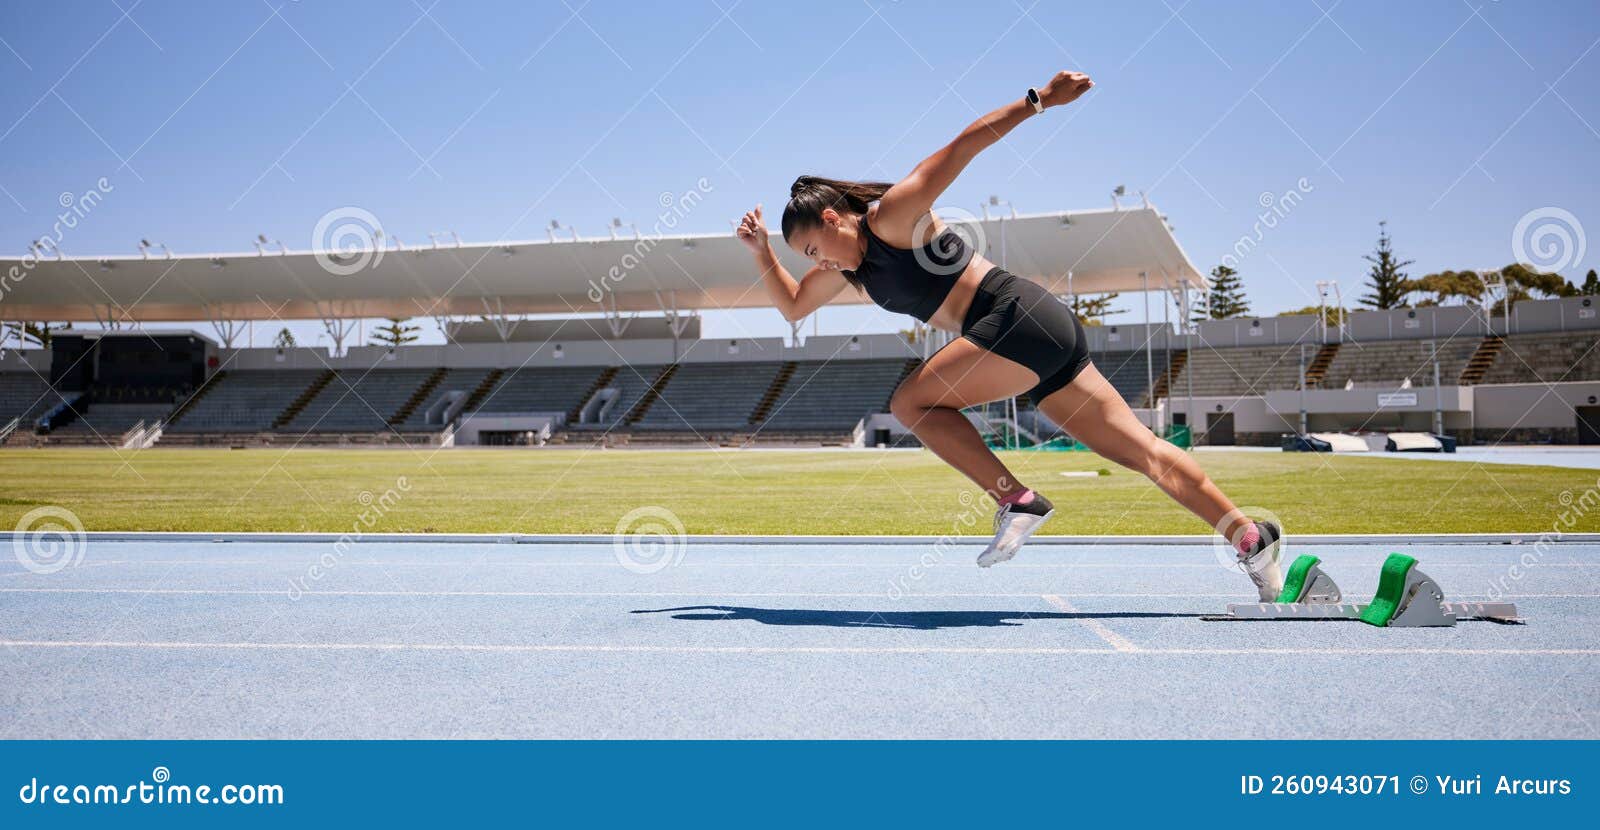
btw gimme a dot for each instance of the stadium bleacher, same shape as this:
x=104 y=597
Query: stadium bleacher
x=106 y=423
x=829 y=396
x=540 y=389
x=822 y=399
x=243 y=401
x=1241 y=370
x=710 y=396
x=1546 y=358
x=24 y=395
x=463 y=381
x=1395 y=361
x=357 y=401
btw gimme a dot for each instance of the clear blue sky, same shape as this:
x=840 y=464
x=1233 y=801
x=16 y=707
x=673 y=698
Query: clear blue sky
x=218 y=121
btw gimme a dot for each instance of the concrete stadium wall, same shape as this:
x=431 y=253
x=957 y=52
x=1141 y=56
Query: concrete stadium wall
x=1533 y=406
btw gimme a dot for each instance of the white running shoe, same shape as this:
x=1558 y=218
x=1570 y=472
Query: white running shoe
x=1013 y=524
x=1262 y=563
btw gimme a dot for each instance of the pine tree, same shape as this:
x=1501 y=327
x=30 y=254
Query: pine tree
x=1388 y=283
x=1591 y=284
x=1225 y=294
x=395 y=334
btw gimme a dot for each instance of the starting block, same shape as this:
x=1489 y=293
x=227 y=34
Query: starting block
x=1406 y=598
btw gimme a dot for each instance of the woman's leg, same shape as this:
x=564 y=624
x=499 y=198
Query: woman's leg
x=929 y=403
x=1093 y=412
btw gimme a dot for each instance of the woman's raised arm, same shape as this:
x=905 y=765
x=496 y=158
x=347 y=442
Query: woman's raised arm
x=908 y=201
x=794 y=299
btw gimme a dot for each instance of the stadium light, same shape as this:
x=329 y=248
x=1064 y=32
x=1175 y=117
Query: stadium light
x=996 y=201
x=616 y=225
x=1117 y=192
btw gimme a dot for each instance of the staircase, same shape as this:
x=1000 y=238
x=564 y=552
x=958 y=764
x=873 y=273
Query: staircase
x=206 y=387
x=608 y=375
x=650 y=395
x=417 y=397
x=482 y=390
x=300 y=401
x=775 y=391
x=1176 y=360
x=1482 y=359
x=1319 y=364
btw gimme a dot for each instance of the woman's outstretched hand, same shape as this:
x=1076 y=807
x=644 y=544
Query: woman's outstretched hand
x=752 y=231
x=1064 y=88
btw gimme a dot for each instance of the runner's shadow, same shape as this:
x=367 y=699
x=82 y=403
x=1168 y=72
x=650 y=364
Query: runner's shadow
x=919 y=620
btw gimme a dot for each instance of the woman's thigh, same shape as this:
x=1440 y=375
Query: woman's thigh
x=1092 y=411
x=963 y=374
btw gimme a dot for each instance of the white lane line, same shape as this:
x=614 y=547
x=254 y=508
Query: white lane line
x=602 y=648
x=1117 y=641
x=710 y=593
x=612 y=564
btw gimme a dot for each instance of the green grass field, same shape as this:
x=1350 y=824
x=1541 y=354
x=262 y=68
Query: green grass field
x=793 y=492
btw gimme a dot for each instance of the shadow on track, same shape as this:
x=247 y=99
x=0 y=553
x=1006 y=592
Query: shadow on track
x=921 y=620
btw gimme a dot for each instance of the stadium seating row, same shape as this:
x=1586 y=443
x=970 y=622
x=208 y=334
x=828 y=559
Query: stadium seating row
x=752 y=397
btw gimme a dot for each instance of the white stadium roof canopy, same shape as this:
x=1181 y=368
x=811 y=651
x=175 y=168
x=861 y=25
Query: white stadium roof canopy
x=1103 y=250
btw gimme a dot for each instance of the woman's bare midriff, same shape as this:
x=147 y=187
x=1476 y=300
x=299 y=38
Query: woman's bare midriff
x=953 y=311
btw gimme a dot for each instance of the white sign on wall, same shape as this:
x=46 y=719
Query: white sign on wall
x=1396 y=399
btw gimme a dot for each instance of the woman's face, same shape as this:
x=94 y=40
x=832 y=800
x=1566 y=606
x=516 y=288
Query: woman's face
x=835 y=244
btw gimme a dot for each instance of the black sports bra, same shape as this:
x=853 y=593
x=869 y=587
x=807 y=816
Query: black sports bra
x=912 y=281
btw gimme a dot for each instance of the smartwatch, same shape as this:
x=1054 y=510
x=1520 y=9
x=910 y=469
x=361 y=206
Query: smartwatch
x=1033 y=98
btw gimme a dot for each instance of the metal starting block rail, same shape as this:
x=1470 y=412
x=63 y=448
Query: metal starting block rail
x=1406 y=598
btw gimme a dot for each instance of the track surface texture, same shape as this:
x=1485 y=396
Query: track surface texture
x=560 y=640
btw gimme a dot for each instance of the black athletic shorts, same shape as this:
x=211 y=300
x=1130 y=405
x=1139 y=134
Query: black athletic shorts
x=1021 y=321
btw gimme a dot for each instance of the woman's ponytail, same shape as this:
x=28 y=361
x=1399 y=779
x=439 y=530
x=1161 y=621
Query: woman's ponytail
x=809 y=196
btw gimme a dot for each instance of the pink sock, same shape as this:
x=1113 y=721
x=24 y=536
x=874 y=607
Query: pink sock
x=1249 y=540
x=1019 y=497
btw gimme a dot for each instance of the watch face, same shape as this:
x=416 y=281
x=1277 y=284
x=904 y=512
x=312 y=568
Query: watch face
x=1033 y=96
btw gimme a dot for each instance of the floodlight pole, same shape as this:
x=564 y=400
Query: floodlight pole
x=1438 y=406
x=1304 y=430
x=1149 y=356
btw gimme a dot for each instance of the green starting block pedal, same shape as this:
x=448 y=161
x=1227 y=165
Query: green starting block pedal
x=1406 y=598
